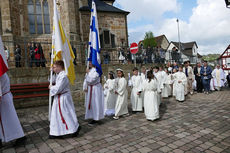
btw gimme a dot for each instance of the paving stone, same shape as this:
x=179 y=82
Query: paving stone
x=200 y=124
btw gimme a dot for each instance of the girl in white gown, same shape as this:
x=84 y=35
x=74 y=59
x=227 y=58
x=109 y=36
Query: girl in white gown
x=110 y=96
x=151 y=106
x=121 y=107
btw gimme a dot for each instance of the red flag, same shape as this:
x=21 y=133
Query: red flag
x=3 y=61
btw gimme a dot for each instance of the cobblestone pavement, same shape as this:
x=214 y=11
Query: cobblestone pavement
x=200 y=124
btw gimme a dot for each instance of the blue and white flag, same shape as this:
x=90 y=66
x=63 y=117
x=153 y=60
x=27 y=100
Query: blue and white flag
x=94 y=41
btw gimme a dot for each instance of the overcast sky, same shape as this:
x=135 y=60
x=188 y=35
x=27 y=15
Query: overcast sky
x=205 y=21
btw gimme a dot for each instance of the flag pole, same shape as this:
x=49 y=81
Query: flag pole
x=51 y=76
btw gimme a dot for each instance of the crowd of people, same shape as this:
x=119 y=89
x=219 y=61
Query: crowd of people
x=148 y=88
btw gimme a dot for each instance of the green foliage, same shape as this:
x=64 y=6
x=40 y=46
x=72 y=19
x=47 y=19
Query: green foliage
x=149 y=40
x=211 y=57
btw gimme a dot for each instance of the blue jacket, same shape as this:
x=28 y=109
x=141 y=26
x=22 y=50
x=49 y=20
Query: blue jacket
x=208 y=72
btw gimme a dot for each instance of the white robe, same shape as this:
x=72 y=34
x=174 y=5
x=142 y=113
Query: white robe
x=165 y=92
x=95 y=97
x=212 y=88
x=150 y=103
x=169 y=81
x=180 y=87
x=63 y=117
x=136 y=100
x=10 y=127
x=160 y=86
x=143 y=77
x=218 y=77
x=121 y=107
x=110 y=97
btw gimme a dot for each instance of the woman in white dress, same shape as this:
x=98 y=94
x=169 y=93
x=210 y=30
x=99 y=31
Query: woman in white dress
x=110 y=96
x=151 y=106
x=121 y=107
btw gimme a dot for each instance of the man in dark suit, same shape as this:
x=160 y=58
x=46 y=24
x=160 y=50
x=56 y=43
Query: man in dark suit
x=206 y=75
x=197 y=74
x=228 y=79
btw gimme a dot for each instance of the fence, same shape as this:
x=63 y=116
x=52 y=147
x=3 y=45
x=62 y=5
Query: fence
x=108 y=56
x=27 y=58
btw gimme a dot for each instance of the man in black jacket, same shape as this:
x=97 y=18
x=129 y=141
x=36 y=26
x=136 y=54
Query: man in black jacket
x=199 y=84
x=228 y=79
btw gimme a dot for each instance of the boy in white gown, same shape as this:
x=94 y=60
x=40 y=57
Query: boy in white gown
x=121 y=107
x=110 y=96
x=63 y=117
x=136 y=98
x=150 y=97
x=180 y=81
x=158 y=77
x=165 y=91
x=94 y=104
x=10 y=127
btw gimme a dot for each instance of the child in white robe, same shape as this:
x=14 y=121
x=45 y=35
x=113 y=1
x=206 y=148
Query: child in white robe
x=110 y=96
x=121 y=107
x=150 y=97
x=94 y=104
x=10 y=127
x=180 y=84
x=136 y=98
x=158 y=77
x=165 y=91
x=63 y=119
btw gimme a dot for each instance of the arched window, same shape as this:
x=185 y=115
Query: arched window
x=38 y=13
x=31 y=14
x=46 y=16
x=39 y=17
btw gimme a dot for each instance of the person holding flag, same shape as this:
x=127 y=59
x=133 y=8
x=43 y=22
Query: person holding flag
x=10 y=127
x=95 y=99
x=63 y=119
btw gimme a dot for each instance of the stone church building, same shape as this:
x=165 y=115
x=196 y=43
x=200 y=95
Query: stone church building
x=23 y=21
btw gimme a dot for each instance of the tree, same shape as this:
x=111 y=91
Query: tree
x=149 y=40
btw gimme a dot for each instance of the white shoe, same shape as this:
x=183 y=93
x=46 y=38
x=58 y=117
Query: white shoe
x=116 y=117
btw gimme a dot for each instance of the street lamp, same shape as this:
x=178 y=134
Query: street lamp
x=178 y=34
x=227 y=3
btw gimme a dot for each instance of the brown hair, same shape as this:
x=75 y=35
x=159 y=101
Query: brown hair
x=60 y=63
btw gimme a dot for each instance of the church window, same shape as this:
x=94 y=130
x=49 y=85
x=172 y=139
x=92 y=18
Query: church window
x=38 y=14
x=107 y=39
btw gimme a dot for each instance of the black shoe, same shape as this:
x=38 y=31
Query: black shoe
x=0 y=143
x=20 y=141
x=55 y=137
x=92 y=123
x=77 y=132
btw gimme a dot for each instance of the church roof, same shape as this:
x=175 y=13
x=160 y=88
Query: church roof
x=102 y=7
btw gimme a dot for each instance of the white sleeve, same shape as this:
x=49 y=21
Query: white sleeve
x=60 y=85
